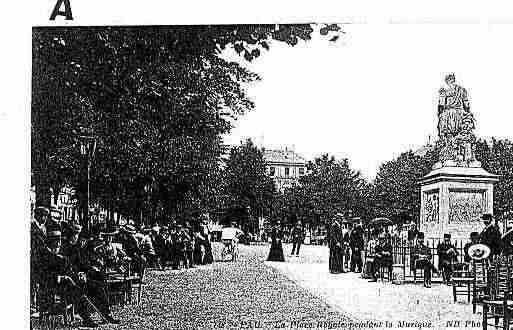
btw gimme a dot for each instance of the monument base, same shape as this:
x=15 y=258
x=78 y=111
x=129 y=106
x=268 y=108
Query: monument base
x=453 y=199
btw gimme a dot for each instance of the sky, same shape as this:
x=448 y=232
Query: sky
x=373 y=94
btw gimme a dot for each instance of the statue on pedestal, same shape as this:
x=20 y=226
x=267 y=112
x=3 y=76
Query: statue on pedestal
x=455 y=126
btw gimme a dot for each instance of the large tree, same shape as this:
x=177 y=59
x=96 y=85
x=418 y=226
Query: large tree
x=497 y=158
x=247 y=187
x=396 y=190
x=331 y=186
x=158 y=98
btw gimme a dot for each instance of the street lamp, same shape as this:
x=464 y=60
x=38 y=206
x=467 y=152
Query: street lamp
x=87 y=149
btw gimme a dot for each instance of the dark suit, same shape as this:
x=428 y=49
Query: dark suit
x=336 y=243
x=447 y=255
x=52 y=267
x=423 y=263
x=133 y=250
x=356 y=242
x=491 y=237
x=383 y=257
x=297 y=238
x=94 y=287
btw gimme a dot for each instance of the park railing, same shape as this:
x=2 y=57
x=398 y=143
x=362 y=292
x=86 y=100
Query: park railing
x=401 y=252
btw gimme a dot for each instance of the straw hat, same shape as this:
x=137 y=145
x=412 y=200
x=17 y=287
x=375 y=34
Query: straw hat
x=479 y=251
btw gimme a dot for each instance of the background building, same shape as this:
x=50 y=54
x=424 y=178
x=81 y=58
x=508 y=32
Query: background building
x=284 y=166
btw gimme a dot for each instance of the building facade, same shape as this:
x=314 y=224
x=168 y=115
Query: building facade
x=284 y=166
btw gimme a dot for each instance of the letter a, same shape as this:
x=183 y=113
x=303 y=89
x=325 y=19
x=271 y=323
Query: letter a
x=57 y=12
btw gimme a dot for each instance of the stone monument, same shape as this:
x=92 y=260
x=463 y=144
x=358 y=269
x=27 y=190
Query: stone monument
x=458 y=190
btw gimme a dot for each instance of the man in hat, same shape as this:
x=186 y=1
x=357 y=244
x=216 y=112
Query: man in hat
x=189 y=245
x=174 y=245
x=56 y=275
x=421 y=256
x=131 y=246
x=146 y=246
x=73 y=247
x=474 y=239
x=183 y=247
x=89 y=277
x=37 y=243
x=158 y=244
x=165 y=256
x=382 y=256
x=412 y=232
x=297 y=234
x=447 y=256
x=110 y=257
x=491 y=235
x=336 y=241
x=356 y=243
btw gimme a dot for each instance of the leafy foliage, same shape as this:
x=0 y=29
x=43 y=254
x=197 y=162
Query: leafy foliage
x=396 y=192
x=497 y=158
x=246 y=183
x=158 y=99
x=330 y=186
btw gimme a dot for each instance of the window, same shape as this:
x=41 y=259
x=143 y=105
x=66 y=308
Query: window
x=272 y=171
x=301 y=171
x=287 y=171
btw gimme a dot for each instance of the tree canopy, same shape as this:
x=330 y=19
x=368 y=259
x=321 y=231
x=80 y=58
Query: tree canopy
x=157 y=98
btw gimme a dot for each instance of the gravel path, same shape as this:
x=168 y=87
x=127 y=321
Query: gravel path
x=245 y=294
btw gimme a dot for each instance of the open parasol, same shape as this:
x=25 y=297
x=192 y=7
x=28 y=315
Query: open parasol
x=382 y=221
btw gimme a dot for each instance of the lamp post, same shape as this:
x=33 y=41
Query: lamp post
x=87 y=149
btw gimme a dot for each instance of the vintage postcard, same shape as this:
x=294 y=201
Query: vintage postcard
x=207 y=167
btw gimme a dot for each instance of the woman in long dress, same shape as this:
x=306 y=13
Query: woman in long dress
x=335 y=242
x=208 y=258
x=276 y=251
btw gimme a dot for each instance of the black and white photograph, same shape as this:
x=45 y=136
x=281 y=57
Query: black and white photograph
x=315 y=174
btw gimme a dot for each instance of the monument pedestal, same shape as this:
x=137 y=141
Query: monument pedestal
x=453 y=199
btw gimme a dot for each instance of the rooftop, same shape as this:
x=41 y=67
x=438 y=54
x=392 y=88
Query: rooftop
x=282 y=156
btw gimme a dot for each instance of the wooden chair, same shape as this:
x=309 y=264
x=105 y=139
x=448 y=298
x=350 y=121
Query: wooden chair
x=117 y=285
x=480 y=283
x=51 y=303
x=385 y=271
x=136 y=281
x=498 y=304
x=416 y=269
x=462 y=280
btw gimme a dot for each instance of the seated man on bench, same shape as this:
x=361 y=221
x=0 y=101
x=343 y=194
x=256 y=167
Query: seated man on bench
x=447 y=257
x=421 y=256
x=382 y=258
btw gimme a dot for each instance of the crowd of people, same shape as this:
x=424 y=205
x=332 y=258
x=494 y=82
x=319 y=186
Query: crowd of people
x=74 y=263
x=346 y=247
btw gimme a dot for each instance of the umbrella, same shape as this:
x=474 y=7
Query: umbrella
x=381 y=222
